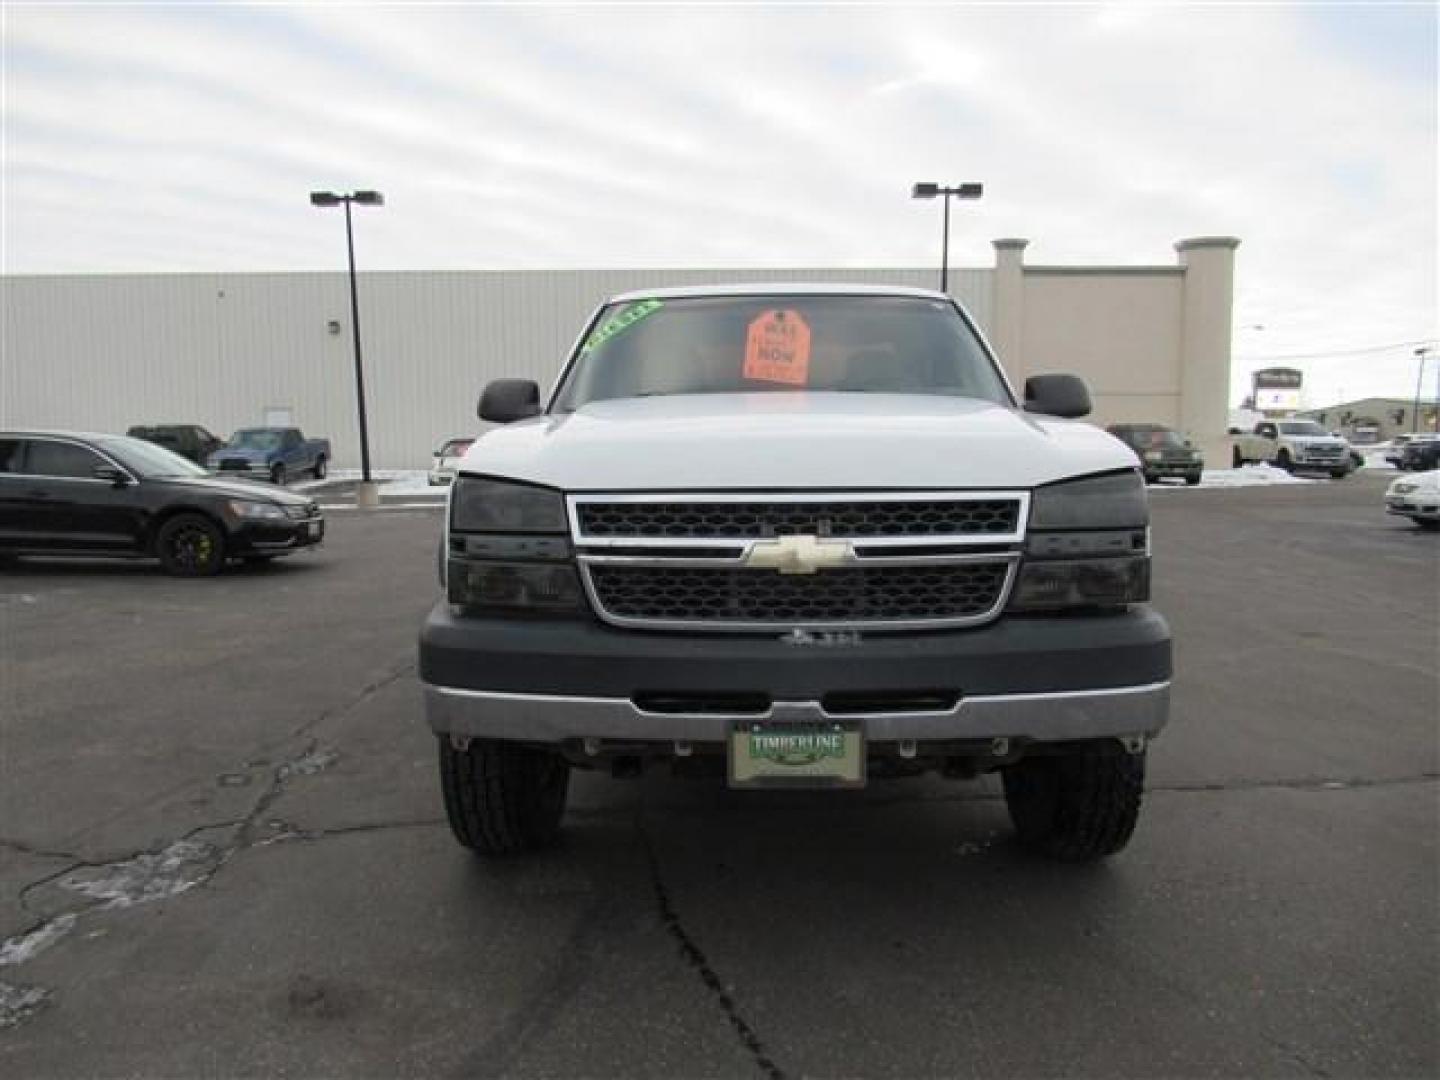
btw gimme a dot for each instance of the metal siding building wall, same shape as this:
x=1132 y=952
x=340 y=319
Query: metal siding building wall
x=105 y=352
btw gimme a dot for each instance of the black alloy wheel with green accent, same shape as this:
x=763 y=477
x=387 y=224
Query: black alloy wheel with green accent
x=190 y=545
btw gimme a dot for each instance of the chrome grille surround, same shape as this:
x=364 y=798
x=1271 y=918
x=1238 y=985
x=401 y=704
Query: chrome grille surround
x=878 y=578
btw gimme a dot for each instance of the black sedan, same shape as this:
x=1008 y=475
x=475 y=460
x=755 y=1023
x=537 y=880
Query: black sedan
x=71 y=494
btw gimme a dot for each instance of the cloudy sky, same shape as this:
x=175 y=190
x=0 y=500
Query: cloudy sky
x=180 y=137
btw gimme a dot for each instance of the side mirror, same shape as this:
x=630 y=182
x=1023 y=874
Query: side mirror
x=1065 y=396
x=118 y=477
x=505 y=400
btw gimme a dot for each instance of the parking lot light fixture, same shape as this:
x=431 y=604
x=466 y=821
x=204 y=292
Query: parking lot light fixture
x=1420 y=355
x=368 y=494
x=926 y=190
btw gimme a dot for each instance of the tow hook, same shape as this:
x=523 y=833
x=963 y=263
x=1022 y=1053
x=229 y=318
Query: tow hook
x=1134 y=744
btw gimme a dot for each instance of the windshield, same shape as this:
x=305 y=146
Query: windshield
x=148 y=461
x=1302 y=427
x=759 y=344
x=255 y=439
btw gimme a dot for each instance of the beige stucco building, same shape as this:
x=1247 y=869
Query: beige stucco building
x=103 y=352
x=1377 y=419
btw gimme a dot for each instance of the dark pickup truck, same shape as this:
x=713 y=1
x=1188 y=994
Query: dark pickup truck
x=271 y=453
x=190 y=441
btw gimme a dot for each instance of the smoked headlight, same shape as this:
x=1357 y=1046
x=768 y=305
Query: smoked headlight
x=510 y=586
x=507 y=551
x=499 y=506
x=1114 y=501
x=1088 y=546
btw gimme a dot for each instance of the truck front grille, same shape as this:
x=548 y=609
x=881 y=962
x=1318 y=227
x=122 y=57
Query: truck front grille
x=927 y=518
x=761 y=561
x=857 y=595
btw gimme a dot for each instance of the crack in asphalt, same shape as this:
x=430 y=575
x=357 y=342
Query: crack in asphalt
x=697 y=960
x=155 y=873
x=38 y=852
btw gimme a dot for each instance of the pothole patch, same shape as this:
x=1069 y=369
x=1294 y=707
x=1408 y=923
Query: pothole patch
x=17 y=1003
x=27 y=946
x=149 y=876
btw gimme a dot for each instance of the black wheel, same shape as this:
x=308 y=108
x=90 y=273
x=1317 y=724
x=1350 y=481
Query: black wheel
x=1076 y=807
x=1192 y=478
x=277 y=475
x=1427 y=523
x=1235 y=459
x=189 y=545
x=320 y=467
x=1339 y=474
x=1283 y=461
x=502 y=797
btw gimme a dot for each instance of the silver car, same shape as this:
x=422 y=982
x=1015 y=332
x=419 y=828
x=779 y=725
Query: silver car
x=447 y=460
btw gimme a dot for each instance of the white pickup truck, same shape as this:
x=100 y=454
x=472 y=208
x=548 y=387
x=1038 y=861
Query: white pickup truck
x=797 y=536
x=1293 y=445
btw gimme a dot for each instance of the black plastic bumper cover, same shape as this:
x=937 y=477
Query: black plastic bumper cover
x=1014 y=655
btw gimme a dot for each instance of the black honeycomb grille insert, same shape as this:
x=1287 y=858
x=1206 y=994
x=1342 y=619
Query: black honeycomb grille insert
x=854 y=594
x=745 y=520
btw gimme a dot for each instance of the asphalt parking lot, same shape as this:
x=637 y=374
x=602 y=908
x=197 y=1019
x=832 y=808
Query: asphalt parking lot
x=223 y=852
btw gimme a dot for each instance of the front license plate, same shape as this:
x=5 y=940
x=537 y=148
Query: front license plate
x=764 y=754
x=315 y=529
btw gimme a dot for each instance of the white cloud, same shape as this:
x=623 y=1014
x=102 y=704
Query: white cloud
x=174 y=138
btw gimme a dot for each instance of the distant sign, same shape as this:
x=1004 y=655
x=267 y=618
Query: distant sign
x=1277 y=400
x=1277 y=378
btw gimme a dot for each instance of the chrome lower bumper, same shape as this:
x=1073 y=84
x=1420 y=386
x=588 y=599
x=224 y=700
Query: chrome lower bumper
x=1047 y=717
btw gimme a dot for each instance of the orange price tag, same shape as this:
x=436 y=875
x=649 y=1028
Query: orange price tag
x=777 y=349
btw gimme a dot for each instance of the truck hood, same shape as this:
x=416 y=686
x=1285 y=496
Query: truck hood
x=771 y=441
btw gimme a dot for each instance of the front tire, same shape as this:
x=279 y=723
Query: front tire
x=1339 y=474
x=1076 y=807
x=277 y=475
x=1284 y=461
x=1192 y=479
x=321 y=469
x=1427 y=523
x=189 y=545
x=503 y=798
x=1236 y=459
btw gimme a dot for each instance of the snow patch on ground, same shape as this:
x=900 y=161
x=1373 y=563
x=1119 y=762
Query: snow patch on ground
x=1245 y=476
x=18 y=1002
x=1375 y=458
x=23 y=947
x=148 y=877
x=392 y=481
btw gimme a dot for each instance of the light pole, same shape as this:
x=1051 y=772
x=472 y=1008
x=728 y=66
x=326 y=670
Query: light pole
x=1420 y=355
x=364 y=198
x=960 y=191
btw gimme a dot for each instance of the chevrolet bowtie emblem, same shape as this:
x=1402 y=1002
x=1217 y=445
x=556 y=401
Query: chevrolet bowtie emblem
x=799 y=554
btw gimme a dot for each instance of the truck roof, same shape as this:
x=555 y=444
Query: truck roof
x=785 y=288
